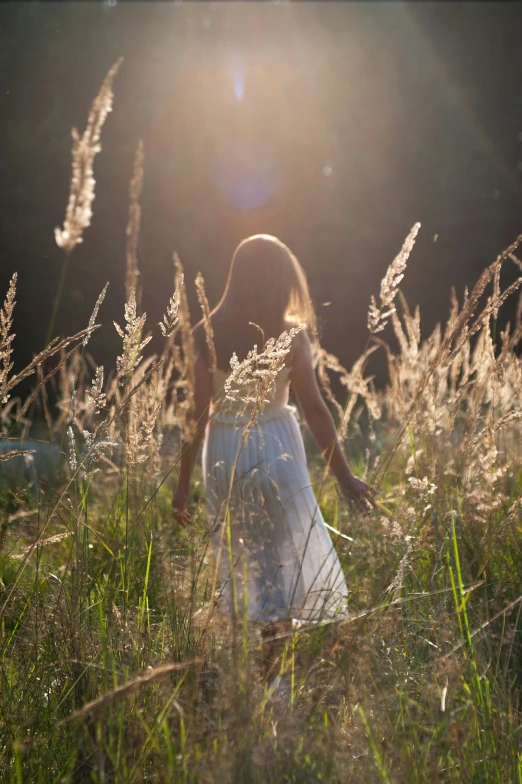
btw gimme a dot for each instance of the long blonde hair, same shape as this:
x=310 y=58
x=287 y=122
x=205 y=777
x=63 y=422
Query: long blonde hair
x=266 y=292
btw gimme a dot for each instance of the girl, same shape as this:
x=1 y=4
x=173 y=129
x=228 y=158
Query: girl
x=277 y=561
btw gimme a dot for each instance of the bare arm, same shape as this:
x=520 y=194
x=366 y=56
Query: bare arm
x=189 y=450
x=320 y=421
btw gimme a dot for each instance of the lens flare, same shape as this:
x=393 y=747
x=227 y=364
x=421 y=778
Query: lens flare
x=246 y=172
x=238 y=76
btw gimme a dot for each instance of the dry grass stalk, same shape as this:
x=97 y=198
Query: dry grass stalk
x=133 y=227
x=141 y=440
x=518 y=320
x=71 y=458
x=71 y=375
x=6 y=338
x=96 y=398
x=65 y=398
x=378 y=316
x=354 y=382
x=505 y=610
x=428 y=383
x=252 y=379
x=184 y=358
x=16 y=453
x=515 y=260
x=471 y=301
x=107 y=426
x=171 y=317
x=395 y=587
x=493 y=305
x=79 y=208
x=326 y=362
x=39 y=544
x=10 y=415
x=167 y=415
x=94 y=449
x=94 y=314
x=496 y=292
x=133 y=345
x=450 y=389
x=512 y=416
x=207 y=323
x=54 y=347
x=43 y=399
x=128 y=688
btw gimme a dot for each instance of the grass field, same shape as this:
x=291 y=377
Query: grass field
x=115 y=665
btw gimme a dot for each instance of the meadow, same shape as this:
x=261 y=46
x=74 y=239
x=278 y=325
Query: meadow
x=115 y=665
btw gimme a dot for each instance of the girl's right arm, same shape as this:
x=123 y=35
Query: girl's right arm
x=321 y=424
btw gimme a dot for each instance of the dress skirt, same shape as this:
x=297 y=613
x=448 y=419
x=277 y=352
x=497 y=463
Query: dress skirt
x=276 y=558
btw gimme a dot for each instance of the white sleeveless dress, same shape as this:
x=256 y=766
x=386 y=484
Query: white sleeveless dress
x=276 y=557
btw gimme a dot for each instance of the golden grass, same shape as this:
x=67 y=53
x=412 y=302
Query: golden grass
x=114 y=663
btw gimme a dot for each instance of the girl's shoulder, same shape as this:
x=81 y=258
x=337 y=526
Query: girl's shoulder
x=300 y=342
x=305 y=350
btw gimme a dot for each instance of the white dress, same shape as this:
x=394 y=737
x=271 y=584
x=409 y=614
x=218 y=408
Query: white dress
x=276 y=557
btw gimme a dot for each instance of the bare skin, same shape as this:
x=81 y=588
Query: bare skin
x=318 y=418
x=320 y=422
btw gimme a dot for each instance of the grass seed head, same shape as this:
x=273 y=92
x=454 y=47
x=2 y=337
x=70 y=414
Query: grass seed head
x=133 y=345
x=378 y=316
x=85 y=148
x=207 y=323
x=6 y=338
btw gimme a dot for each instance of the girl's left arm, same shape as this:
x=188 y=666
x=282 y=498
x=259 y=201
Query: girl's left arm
x=190 y=449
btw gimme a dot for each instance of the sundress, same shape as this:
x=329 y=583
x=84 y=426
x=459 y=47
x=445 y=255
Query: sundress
x=276 y=557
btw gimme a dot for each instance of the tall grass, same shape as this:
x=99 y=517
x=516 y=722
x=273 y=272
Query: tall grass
x=114 y=663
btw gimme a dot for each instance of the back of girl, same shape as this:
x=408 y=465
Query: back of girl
x=276 y=558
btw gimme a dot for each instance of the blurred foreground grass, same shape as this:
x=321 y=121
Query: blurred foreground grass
x=421 y=684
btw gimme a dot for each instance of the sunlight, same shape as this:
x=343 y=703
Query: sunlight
x=246 y=172
x=238 y=75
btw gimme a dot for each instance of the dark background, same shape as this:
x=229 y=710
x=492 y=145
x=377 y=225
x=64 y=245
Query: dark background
x=334 y=126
